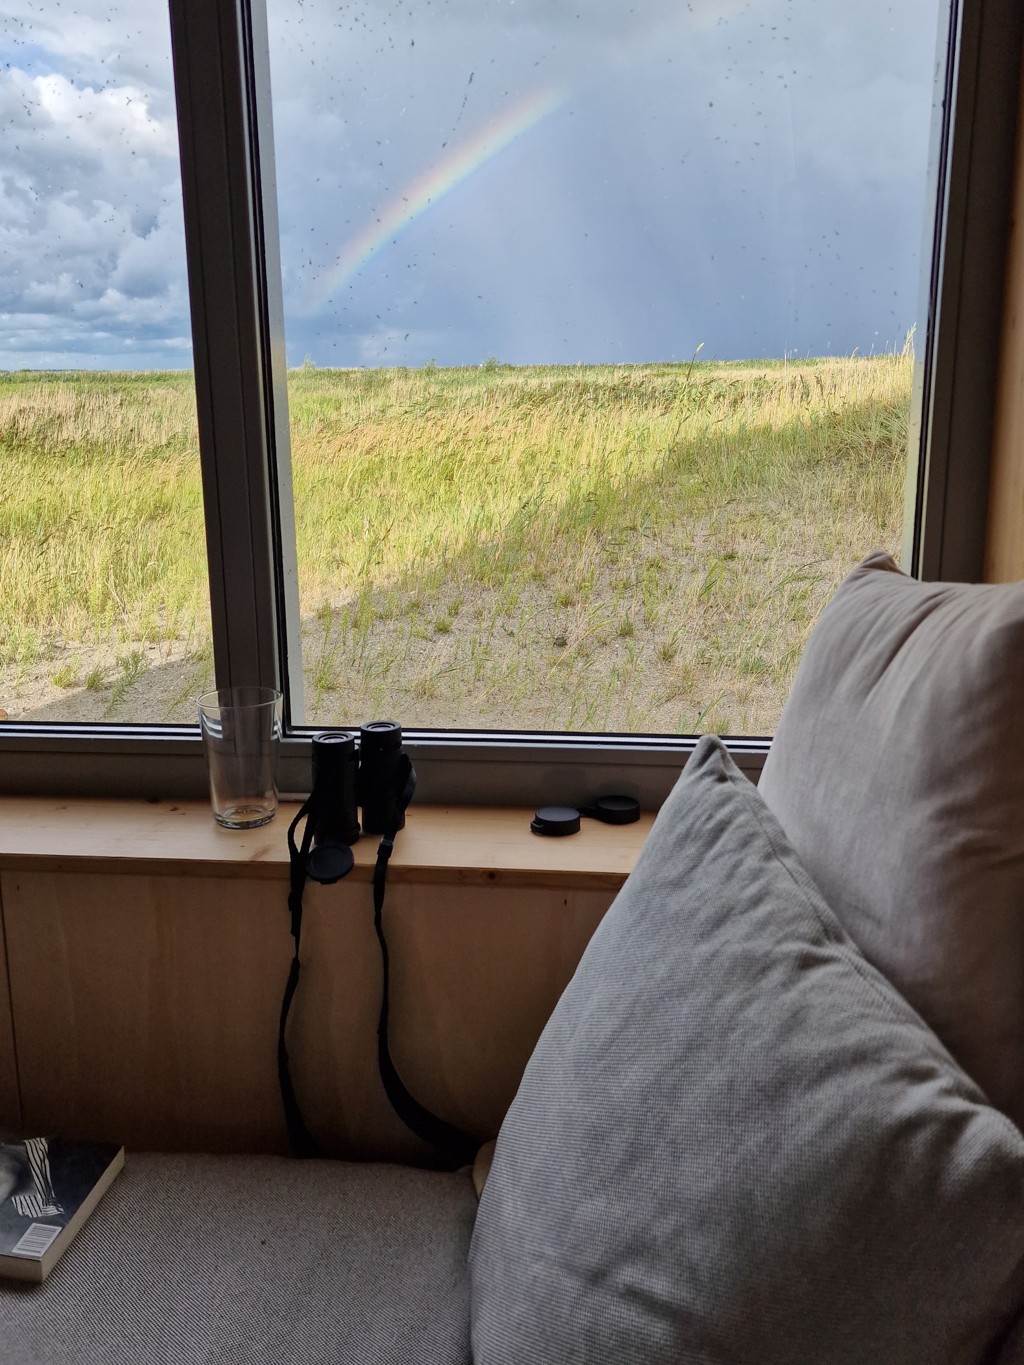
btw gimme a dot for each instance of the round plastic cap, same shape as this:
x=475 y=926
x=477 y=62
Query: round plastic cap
x=617 y=810
x=328 y=863
x=556 y=820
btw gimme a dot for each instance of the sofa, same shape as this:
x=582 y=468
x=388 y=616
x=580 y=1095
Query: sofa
x=774 y=1116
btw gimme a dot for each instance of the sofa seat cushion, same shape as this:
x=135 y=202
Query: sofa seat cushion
x=213 y=1260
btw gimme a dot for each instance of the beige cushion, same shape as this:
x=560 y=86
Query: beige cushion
x=898 y=774
x=736 y=1142
x=255 y=1260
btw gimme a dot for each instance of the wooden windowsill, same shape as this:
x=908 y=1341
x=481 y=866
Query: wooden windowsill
x=483 y=845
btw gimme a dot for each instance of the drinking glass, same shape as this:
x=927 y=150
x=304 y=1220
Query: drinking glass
x=241 y=729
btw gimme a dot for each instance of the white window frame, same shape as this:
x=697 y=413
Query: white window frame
x=222 y=83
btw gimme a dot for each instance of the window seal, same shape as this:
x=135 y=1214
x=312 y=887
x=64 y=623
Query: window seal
x=465 y=767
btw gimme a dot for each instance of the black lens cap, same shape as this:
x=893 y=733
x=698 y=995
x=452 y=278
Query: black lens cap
x=556 y=821
x=329 y=862
x=616 y=810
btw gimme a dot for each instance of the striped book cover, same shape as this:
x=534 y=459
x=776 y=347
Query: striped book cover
x=48 y=1188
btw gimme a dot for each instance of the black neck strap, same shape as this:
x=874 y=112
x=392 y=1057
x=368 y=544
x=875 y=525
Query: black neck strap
x=454 y=1147
x=302 y=1142
x=457 y=1147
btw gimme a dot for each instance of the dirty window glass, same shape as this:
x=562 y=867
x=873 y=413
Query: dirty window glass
x=600 y=326
x=104 y=605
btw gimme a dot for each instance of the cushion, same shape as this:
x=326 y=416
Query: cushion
x=897 y=772
x=201 y=1260
x=735 y=1141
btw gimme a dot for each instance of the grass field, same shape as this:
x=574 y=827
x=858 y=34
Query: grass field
x=621 y=547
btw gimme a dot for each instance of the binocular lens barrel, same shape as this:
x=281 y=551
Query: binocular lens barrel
x=379 y=737
x=380 y=775
x=335 y=769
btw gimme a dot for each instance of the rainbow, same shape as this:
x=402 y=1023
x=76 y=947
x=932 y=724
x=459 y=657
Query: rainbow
x=461 y=162
x=440 y=179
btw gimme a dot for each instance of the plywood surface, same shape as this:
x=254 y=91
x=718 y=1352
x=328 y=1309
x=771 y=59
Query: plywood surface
x=1004 y=548
x=141 y=1006
x=473 y=845
x=146 y=1006
x=10 y=1109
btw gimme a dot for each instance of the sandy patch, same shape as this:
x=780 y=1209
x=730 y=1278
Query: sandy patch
x=135 y=683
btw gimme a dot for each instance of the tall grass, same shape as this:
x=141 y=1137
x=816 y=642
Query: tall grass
x=101 y=526
x=635 y=547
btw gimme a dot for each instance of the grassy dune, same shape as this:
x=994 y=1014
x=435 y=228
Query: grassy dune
x=621 y=547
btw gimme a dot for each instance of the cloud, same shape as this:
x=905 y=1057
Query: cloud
x=595 y=19
x=744 y=173
x=90 y=211
x=747 y=175
x=117 y=42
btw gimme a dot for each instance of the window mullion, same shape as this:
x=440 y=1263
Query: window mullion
x=222 y=219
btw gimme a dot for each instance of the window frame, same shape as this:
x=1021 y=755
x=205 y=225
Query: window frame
x=222 y=87
x=953 y=409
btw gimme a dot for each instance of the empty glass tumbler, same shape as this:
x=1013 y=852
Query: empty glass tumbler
x=241 y=729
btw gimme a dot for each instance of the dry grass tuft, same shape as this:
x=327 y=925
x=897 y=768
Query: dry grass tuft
x=636 y=548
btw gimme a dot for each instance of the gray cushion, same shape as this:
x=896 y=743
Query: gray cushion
x=197 y=1260
x=735 y=1141
x=897 y=772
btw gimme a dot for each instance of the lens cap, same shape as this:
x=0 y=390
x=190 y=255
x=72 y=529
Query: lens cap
x=329 y=862
x=556 y=821
x=616 y=810
x=561 y=820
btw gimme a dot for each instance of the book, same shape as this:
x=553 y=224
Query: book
x=48 y=1188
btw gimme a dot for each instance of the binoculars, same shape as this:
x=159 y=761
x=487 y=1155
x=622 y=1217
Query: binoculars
x=369 y=770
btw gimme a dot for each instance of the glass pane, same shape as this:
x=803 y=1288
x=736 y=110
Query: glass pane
x=104 y=604
x=600 y=324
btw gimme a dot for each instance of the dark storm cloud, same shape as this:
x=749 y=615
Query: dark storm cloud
x=743 y=174
x=747 y=176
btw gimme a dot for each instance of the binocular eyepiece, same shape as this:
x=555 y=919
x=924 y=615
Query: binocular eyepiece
x=370 y=770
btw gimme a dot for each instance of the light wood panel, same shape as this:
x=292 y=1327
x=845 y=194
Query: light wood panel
x=474 y=845
x=10 y=1104
x=143 y=1007
x=146 y=1007
x=475 y=975
x=1004 y=547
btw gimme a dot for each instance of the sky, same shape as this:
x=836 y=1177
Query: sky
x=533 y=181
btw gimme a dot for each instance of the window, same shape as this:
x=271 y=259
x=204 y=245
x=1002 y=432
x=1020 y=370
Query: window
x=104 y=608
x=599 y=326
x=222 y=76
